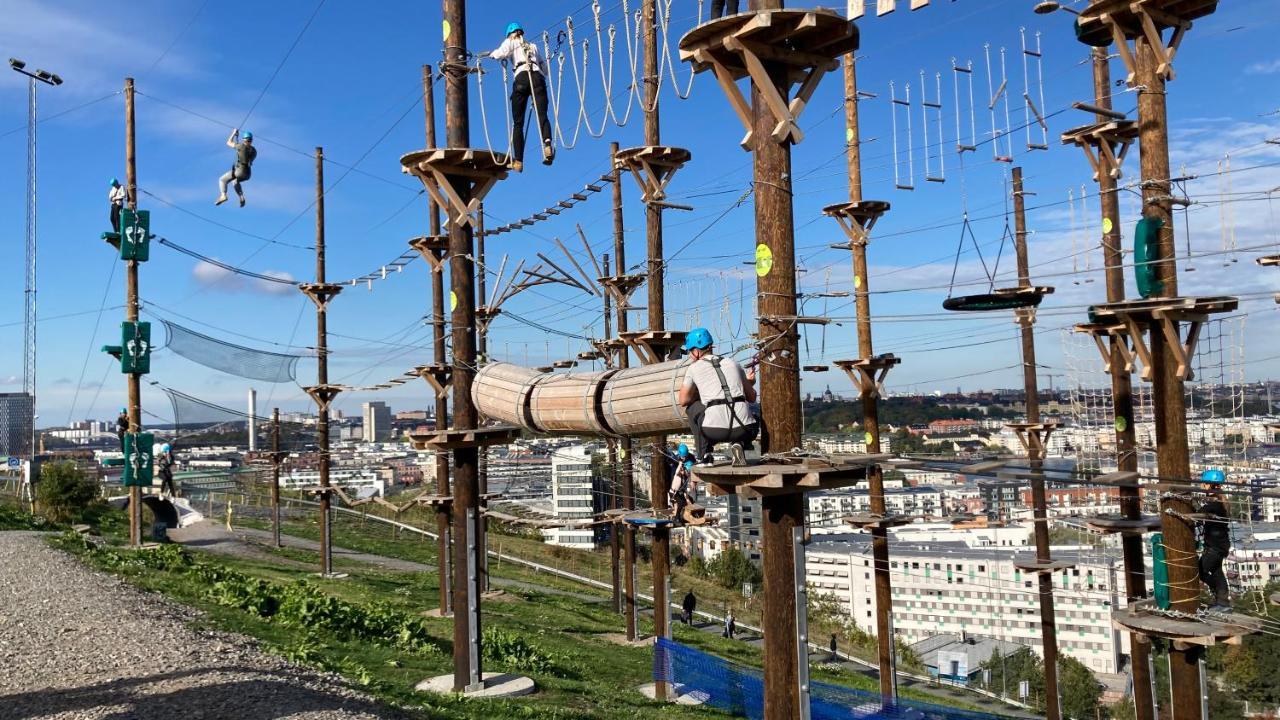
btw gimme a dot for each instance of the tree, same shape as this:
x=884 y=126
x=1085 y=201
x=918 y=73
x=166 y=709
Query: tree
x=1080 y=690
x=1008 y=670
x=64 y=494
x=732 y=569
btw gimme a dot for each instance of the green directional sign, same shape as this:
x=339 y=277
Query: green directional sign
x=135 y=234
x=138 y=462
x=135 y=347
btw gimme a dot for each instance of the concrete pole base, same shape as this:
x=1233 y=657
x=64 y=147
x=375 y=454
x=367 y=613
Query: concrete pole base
x=496 y=685
x=677 y=693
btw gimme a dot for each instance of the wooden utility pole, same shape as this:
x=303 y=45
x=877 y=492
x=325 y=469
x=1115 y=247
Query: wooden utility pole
x=1034 y=441
x=438 y=357
x=467 y=670
x=131 y=305
x=482 y=457
x=661 y=548
x=1122 y=403
x=613 y=501
x=1172 y=453
x=624 y=361
x=322 y=380
x=275 y=476
x=869 y=390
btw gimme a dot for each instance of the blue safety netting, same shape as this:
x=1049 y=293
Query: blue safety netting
x=739 y=690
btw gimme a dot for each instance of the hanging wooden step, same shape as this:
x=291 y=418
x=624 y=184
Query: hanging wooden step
x=653 y=166
x=1032 y=565
x=449 y=173
x=870 y=521
x=799 y=45
x=1111 y=524
x=1105 y=144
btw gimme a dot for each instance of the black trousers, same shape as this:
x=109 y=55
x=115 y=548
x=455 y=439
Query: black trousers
x=115 y=217
x=166 y=483
x=718 y=8
x=1211 y=574
x=527 y=83
x=705 y=438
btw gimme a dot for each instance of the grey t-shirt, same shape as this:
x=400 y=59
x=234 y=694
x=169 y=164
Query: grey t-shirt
x=702 y=375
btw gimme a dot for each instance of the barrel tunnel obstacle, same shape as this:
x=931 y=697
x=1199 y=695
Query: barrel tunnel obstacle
x=629 y=402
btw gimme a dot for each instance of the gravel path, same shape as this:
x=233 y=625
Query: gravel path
x=75 y=643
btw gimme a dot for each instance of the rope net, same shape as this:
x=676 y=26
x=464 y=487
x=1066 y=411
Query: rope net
x=230 y=358
x=739 y=690
x=197 y=421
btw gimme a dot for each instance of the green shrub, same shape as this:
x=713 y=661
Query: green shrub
x=12 y=518
x=64 y=494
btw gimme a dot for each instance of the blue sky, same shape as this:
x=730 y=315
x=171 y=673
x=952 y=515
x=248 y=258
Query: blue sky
x=353 y=85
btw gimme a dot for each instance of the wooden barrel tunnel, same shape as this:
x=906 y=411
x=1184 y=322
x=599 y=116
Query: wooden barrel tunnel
x=634 y=402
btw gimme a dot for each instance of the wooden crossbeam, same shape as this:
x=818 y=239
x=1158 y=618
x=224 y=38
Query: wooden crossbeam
x=868 y=374
x=856 y=219
x=433 y=248
x=439 y=377
x=323 y=395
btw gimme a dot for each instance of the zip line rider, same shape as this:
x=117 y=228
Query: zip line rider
x=242 y=170
x=715 y=393
x=116 y=196
x=529 y=79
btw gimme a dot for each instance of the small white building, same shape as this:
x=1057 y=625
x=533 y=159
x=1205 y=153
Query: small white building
x=572 y=497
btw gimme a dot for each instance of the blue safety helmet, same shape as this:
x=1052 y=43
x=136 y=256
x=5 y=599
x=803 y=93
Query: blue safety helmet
x=698 y=339
x=514 y=27
x=124 y=411
x=688 y=464
x=247 y=135
x=1217 y=477
x=115 y=182
x=164 y=448
x=682 y=450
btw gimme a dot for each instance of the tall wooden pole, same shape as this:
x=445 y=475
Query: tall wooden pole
x=131 y=305
x=624 y=361
x=870 y=407
x=1122 y=403
x=466 y=496
x=612 y=501
x=657 y=321
x=482 y=456
x=322 y=379
x=1172 y=457
x=275 y=476
x=438 y=357
x=779 y=394
x=1048 y=629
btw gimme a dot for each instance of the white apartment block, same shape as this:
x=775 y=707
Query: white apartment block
x=850 y=444
x=363 y=481
x=826 y=510
x=949 y=587
x=572 y=497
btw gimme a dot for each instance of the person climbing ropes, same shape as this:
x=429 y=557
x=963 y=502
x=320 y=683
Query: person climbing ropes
x=1215 y=534
x=682 y=491
x=689 y=604
x=529 y=80
x=164 y=466
x=122 y=426
x=715 y=394
x=116 y=196
x=720 y=8
x=242 y=170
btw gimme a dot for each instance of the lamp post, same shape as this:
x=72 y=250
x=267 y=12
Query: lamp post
x=29 y=336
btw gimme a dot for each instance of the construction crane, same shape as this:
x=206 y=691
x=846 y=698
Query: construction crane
x=29 y=336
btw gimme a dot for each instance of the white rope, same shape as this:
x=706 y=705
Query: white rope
x=580 y=81
x=484 y=116
x=667 y=59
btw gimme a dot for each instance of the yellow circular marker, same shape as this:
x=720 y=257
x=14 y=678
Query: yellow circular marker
x=868 y=437
x=764 y=260
x=447 y=29
x=1121 y=423
x=1107 y=225
x=622 y=453
x=848 y=135
x=453 y=301
x=857 y=281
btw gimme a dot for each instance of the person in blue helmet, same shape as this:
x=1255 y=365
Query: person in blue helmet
x=716 y=394
x=116 y=195
x=122 y=426
x=164 y=465
x=242 y=169
x=1215 y=535
x=529 y=80
x=682 y=491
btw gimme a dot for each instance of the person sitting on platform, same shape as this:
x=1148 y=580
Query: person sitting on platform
x=116 y=196
x=715 y=395
x=529 y=80
x=1215 y=534
x=241 y=171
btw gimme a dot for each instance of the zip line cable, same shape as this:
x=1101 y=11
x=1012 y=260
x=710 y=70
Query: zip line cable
x=280 y=66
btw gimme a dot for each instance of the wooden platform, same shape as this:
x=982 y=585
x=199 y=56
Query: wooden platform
x=1268 y=260
x=320 y=293
x=815 y=368
x=1105 y=144
x=1138 y=316
x=438 y=376
x=654 y=346
x=1120 y=479
x=1105 y=22
x=1109 y=524
x=983 y=467
x=1205 y=629
x=856 y=219
x=868 y=521
x=323 y=395
x=455 y=439
x=774 y=477
x=444 y=170
x=1036 y=566
x=868 y=373
x=653 y=166
x=804 y=44
x=433 y=248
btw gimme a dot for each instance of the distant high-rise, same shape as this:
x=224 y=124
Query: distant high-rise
x=377 y=422
x=17 y=417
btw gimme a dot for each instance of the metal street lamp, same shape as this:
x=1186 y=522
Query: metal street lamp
x=29 y=336
x=1049 y=6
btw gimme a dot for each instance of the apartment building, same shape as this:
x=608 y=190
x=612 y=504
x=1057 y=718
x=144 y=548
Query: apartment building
x=573 y=497
x=825 y=511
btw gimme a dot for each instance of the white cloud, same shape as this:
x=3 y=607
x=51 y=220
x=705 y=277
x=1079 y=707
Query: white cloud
x=214 y=277
x=1270 y=67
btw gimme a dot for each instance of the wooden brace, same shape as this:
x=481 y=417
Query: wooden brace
x=323 y=395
